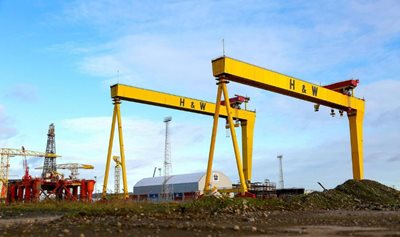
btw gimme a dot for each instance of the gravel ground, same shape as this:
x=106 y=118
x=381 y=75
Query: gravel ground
x=354 y=208
x=277 y=223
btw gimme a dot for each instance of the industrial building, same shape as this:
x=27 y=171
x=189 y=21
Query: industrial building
x=183 y=186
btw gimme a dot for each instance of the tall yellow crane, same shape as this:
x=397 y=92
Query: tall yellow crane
x=6 y=153
x=338 y=96
x=121 y=92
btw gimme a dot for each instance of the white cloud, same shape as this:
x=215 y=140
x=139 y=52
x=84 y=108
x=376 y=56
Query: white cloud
x=144 y=60
x=105 y=66
x=381 y=97
x=171 y=48
x=24 y=92
x=7 y=130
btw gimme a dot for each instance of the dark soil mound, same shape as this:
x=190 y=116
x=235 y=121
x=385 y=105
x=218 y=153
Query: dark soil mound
x=353 y=195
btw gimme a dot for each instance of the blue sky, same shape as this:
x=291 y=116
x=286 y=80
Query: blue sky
x=58 y=59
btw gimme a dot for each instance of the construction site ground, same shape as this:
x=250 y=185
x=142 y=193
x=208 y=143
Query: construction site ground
x=355 y=208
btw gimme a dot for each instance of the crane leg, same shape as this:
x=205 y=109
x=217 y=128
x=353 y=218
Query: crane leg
x=247 y=148
x=213 y=136
x=222 y=89
x=234 y=139
x=122 y=152
x=356 y=137
x=110 y=145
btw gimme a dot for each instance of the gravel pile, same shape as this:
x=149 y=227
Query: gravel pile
x=351 y=195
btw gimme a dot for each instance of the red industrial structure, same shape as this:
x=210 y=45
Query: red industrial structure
x=236 y=101
x=52 y=184
x=343 y=87
x=30 y=190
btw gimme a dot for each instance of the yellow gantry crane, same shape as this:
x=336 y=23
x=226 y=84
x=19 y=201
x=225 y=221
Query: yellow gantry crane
x=336 y=96
x=120 y=92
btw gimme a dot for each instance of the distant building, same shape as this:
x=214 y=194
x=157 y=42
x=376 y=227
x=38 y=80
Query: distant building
x=183 y=186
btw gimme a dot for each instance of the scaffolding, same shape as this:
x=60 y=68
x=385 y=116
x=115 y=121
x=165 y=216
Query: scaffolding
x=117 y=174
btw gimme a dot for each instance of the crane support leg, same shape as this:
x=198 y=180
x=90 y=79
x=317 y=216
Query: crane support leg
x=222 y=86
x=247 y=146
x=234 y=139
x=213 y=136
x=110 y=146
x=356 y=137
x=116 y=117
x=122 y=152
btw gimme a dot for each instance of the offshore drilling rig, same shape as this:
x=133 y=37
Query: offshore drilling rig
x=50 y=164
x=51 y=184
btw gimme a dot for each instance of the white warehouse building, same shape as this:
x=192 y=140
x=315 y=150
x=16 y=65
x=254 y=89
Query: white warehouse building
x=180 y=185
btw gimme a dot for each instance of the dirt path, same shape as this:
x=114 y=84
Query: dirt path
x=20 y=221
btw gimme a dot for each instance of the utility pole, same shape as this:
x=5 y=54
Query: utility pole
x=280 y=157
x=167 y=158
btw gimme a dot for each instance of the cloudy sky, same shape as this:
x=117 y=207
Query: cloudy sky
x=58 y=59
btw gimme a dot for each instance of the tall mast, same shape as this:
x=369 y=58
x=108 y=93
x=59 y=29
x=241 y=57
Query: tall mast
x=50 y=165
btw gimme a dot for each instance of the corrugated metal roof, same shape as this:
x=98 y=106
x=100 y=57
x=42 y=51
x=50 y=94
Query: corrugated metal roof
x=173 y=179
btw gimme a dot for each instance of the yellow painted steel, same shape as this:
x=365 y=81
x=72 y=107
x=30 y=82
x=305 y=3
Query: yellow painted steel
x=144 y=96
x=255 y=76
x=117 y=161
x=110 y=145
x=234 y=139
x=122 y=151
x=87 y=167
x=248 y=74
x=247 y=147
x=207 y=185
x=71 y=166
x=243 y=182
x=116 y=116
x=19 y=152
x=356 y=138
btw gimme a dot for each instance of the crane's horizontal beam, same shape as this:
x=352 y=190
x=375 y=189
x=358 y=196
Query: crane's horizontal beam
x=156 y=98
x=20 y=152
x=248 y=74
x=71 y=166
x=75 y=166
